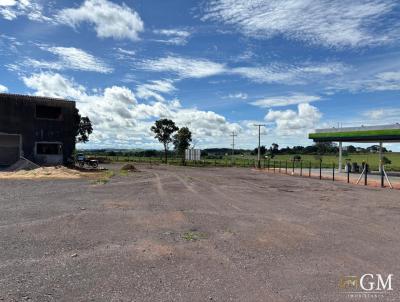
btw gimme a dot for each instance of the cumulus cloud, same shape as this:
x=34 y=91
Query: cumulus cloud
x=173 y=36
x=54 y=85
x=11 y=9
x=280 y=101
x=70 y=58
x=121 y=121
x=110 y=20
x=292 y=123
x=332 y=23
x=3 y=88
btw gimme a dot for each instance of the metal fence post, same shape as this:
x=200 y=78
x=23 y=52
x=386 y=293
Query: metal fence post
x=333 y=173
x=280 y=164
x=293 y=167
x=366 y=175
x=382 y=176
x=274 y=166
x=301 y=168
x=348 y=174
x=286 y=167
x=320 y=169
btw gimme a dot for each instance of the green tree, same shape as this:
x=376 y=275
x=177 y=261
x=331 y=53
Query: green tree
x=163 y=130
x=386 y=161
x=182 y=140
x=82 y=127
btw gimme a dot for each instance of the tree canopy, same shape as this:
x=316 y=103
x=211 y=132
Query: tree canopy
x=82 y=127
x=163 y=130
x=182 y=140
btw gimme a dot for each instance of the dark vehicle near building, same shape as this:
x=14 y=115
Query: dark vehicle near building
x=81 y=160
x=40 y=129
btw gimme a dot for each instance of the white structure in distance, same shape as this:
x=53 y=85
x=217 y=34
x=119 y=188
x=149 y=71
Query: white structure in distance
x=192 y=154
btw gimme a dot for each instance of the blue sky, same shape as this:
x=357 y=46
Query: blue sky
x=215 y=66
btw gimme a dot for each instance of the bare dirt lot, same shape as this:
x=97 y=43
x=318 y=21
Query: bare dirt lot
x=193 y=234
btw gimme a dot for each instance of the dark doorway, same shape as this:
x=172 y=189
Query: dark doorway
x=9 y=149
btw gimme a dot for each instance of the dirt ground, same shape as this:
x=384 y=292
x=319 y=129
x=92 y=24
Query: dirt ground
x=58 y=172
x=194 y=234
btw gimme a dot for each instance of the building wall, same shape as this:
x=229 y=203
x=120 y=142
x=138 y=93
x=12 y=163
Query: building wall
x=18 y=116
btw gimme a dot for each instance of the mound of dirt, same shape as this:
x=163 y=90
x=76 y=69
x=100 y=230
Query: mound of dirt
x=129 y=168
x=58 y=172
x=22 y=164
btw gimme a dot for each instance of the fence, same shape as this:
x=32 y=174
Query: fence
x=311 y=169
x=329 y=172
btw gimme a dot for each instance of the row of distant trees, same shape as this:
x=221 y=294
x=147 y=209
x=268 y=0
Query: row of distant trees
x=317 y=148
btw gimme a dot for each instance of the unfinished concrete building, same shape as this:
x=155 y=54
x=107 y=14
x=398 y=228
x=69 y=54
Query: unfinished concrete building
x=39 y=129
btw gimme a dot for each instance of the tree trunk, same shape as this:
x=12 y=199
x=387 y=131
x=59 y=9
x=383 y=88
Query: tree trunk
x=166 y=154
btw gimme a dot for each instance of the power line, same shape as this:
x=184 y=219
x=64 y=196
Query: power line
x=233 y=142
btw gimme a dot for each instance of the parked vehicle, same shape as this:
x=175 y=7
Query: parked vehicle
x=81 y=161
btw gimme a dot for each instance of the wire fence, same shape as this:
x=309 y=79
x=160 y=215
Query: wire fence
x=312 y=169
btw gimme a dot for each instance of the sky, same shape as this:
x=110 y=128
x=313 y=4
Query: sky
x=215 y=66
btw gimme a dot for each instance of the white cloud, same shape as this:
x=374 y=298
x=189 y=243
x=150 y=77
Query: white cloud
x=154 y=89
x=381 y=81
x=110 y=20
x=337 y=23
x=280 y=101
x=11 y=9
x=239 y=95
x=174 y=36
x=121 y=121
x=389 y=80
x=273 y=73
x=289 y=74
x=54 y=85
x=70 y=58
x=126 y=51
x=184 y=67
x=78 y=59
x=3 y=88
x=383 y=115
x=292 y=123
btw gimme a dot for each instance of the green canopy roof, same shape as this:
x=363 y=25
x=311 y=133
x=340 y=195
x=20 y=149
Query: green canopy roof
x=387 y=133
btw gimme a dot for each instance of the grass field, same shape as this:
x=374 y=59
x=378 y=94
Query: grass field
x=249 y=161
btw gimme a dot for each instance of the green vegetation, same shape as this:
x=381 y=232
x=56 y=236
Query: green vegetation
x=194 y=236
x=163 y=130
x=182 y=140
x=105 y=178
x=249 y=160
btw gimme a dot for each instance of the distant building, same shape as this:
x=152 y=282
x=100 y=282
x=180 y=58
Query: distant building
x=37 y=128
x=193 y=154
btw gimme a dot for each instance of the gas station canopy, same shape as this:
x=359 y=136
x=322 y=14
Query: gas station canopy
x=363 y=134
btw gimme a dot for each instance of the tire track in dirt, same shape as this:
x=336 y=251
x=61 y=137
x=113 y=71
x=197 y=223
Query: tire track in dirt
x=222 y=204
x=159 y=186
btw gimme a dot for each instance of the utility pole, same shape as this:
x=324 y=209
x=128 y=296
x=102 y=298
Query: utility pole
x=259 y=143
x=233 y=143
